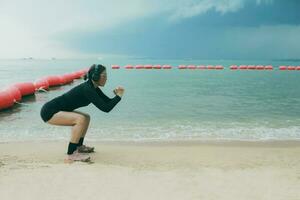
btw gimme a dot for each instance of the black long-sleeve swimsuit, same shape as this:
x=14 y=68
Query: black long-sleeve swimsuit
x=79 y=96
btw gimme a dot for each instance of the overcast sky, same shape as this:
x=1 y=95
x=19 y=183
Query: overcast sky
x=204 y=29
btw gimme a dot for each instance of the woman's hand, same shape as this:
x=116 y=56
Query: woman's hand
x=119 y=91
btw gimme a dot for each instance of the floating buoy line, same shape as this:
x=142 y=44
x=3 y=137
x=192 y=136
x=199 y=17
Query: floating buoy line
x=13 y=94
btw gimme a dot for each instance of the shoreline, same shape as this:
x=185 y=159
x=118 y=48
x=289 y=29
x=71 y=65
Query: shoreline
x=176 y=142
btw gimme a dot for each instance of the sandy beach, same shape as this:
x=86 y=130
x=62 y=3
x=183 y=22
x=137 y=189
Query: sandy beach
x=173 y=170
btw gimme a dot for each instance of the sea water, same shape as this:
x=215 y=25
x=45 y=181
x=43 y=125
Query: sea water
x=165 y=104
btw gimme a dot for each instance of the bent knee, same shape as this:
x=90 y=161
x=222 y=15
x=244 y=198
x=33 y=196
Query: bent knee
x=83 y=119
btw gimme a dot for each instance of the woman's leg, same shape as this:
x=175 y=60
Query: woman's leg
x=87 y=119
x=78 y=121
x=83 y=148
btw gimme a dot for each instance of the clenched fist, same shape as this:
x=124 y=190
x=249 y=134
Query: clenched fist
x=119 y=91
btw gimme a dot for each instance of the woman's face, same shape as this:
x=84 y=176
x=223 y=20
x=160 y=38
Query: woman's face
x=103 y=78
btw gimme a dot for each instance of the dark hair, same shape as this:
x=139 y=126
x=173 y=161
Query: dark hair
x=94 y=72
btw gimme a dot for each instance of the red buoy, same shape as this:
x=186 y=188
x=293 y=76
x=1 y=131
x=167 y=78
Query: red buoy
x=15 y=92
x=157 y=67
x=181 y=67
x=211 y=67
x=233 y=67
x=291 y=68
x=191 y=67
x=219 y=67
x=6 y=100
x=82 y=73
x=298 y=68
x=25 y=88
x=77 y=74
x=251 y=67
x=54 y=80
x=115 y=67
x=243 y=67
x=68 y=78
x=74 y=75
x=41 y=84
x=63 y=80
x=201 y=67
x=260 y=67
x=128 y=67
x=269 y=67
x=139 y=67
x=148 y=66
x=167 y=67
x=282 y=68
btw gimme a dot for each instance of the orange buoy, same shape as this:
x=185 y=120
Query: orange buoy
x=15 y=92
x=7 y=100
x=291 y=68
x=201 y=67
x=282 y=68
x=269 y=67
x=41 y=84
x=233 y=67
x=26 y=88
x=219 y=67
x=128 y=67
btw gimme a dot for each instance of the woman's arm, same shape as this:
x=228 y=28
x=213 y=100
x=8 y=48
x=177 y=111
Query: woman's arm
x=100 y=100
x=101 y=94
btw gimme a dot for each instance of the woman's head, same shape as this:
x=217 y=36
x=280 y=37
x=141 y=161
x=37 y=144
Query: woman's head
x=97 y=73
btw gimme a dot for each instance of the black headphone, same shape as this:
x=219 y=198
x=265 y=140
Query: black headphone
x=96 y=73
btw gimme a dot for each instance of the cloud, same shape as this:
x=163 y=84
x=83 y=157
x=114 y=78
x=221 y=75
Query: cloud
x=190 y=8
x=264 y=42
x=31 y=27
x=264 y=2
x=28 y=27
x=42 y=16
x=182 y=9
x=60 y=16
